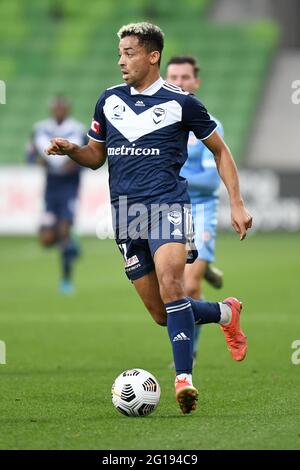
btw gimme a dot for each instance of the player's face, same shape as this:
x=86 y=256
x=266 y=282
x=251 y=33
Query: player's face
x=135 y=60
x=60 y=111
x=183 y=76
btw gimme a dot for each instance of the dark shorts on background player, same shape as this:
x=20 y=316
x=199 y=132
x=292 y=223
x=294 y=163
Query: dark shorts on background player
x=60 y=206
x=138 y=240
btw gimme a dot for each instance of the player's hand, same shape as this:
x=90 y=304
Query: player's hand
x=59 y=147
x=241 y=220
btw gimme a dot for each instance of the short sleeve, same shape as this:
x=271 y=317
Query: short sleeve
x=98 y=126
x=195 y=118
x=220 y=128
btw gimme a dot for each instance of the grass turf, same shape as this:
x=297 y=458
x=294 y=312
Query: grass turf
x=63 y=353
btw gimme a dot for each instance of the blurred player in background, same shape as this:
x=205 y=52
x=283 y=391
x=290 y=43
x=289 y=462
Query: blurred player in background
x=203 y=179
x=62 y=185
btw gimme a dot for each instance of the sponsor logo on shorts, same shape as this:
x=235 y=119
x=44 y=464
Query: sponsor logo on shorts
x=131 y=261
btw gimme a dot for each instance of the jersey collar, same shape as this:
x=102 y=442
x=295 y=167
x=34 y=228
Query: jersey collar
x=151 y=90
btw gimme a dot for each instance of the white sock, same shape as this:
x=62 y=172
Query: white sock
x=226 y=314
x=187 y=377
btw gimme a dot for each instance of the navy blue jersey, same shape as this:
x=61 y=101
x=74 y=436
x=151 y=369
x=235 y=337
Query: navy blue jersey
x=146 y=140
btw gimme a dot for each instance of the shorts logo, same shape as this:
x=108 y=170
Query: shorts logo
x=158 y=115
x=95 y=126
x=131 y=261
x=175 y=217
x=176 y=233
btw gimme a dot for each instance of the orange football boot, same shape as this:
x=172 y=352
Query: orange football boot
x=235 y=338
x=186 y=395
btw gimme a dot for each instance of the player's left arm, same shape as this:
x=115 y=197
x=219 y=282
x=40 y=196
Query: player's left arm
x=196 y=118
x=240 y=218
x=32 y=154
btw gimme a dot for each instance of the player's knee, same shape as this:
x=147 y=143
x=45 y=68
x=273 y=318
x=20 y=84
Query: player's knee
x=171 y=287
x=192 y=289
x=64 y=230
x=47 y=237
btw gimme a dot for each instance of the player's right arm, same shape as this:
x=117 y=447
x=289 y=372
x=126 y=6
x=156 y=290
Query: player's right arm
x=92 y=155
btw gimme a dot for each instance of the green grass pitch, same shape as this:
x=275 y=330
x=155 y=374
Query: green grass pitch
x=63 y=353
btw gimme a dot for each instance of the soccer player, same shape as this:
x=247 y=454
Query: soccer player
x=203 y=180
x=142 y=127
x=62 y=185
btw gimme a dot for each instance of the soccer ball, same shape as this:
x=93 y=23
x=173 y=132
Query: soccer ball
x=135 y=392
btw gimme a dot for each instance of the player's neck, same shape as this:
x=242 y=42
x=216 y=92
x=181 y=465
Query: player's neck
x=149 y=80
x=60 y=121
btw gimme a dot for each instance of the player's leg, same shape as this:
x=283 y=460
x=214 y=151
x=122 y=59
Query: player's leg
x=139 y=267
x=47 y=236
x=48 y=228
x=69 y=250
x=168 y=266
x=205 y=222
x=148 y=289
x=170 y=260
x=214 y=276
x=140 y=270
x=193 y=276
x=226 y=313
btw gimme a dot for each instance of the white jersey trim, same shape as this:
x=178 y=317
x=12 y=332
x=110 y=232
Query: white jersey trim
x=204 y=138
x=175 y=89
x=116 y=86
x=96 y=140
x=151 y=90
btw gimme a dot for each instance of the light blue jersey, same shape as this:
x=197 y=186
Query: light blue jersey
x=203 y=180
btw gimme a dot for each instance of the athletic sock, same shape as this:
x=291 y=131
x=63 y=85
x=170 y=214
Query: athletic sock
x=226 y=313
x=181 y=325
x=69 y=251
x=196 y=338
x=187 y=377
x=205 y=312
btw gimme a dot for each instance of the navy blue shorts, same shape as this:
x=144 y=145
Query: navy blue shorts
x=60 y=206
x=139 y=242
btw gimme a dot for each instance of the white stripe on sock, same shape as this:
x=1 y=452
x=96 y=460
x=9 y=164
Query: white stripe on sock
x=178 y=307
x=172 y=307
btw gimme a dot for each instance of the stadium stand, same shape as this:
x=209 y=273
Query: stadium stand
x=64 y=47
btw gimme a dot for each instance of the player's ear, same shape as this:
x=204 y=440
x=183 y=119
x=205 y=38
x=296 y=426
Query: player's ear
x=154 y=57
x=198 y=82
